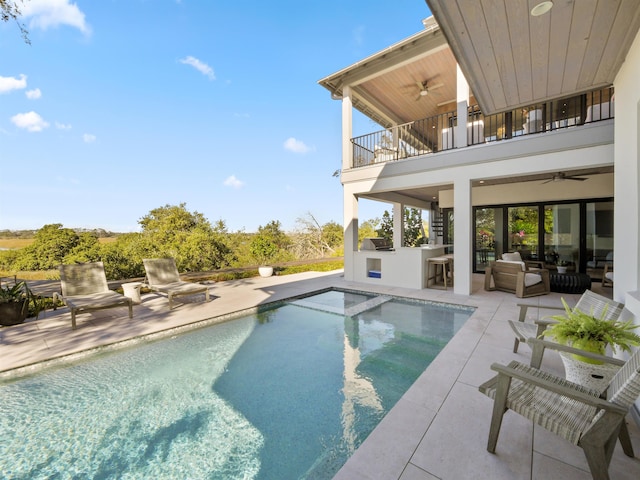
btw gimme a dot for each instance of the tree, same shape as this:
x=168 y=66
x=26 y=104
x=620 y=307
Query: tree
x=9 y=10
x=386 y=226
x=412 y=226
x=173 y=231
x=313 y=240
x=367 y=229
x=269 y=243
x=51 y=245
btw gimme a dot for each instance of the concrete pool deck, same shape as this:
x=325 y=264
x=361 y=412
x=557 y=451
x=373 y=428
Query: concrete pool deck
x=438 y=429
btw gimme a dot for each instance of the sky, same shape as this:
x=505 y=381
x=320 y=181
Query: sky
x=118 y=107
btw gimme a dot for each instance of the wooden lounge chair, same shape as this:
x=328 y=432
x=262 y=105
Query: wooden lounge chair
x=589 y=302
x=84 y=288
x=163 y=276
x=590 y=419
x=516 y=277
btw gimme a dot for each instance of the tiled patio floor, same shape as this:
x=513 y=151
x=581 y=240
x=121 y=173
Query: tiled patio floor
x=437 y=430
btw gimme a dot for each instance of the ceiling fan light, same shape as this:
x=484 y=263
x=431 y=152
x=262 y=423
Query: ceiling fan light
x=424 y=93
x=541 y=8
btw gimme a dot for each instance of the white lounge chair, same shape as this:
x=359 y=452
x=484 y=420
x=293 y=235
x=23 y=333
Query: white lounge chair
x=163 y=276
x=85 y=288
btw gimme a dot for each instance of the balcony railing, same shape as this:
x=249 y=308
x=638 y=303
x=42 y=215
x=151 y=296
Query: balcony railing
x=437 y=133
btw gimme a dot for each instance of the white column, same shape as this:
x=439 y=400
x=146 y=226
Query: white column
x=350 y=201
x=350 y=206
x=398 y=225
x=347 y=129
x=462 y=98
x=462 y=236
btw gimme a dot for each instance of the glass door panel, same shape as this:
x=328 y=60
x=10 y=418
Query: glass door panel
x=488 y=237
x=523 y=231
x=562 y=237
x=599 y=249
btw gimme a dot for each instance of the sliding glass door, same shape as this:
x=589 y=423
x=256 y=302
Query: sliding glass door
x=577 y=236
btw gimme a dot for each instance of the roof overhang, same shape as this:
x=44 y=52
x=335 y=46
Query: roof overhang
x=385 y=85
x=512 y=58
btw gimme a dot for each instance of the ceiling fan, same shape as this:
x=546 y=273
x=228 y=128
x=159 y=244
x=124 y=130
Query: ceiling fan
x=424 y=89
x=560 y=176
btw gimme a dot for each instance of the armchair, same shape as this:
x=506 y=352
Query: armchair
x=515 y=277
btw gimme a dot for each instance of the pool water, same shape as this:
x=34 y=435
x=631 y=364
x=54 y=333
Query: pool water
x=287 y=393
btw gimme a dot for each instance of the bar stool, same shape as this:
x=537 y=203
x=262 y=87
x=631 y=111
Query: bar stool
x=440 y=269
x=450 y=257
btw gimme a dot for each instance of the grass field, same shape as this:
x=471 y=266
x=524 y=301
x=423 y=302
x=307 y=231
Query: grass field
x=16 y=243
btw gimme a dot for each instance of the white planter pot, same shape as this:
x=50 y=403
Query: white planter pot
x=265 y=271
x=562 y=269
x=589 y=375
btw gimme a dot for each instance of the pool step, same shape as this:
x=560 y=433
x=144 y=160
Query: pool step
x=366 y=305
x=349 y=312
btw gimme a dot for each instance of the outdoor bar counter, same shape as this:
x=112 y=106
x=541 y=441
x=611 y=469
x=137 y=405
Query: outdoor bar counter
x=404 y=267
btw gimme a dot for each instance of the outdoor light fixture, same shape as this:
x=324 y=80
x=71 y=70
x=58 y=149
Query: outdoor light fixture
x=541 y=8
x=335 y=96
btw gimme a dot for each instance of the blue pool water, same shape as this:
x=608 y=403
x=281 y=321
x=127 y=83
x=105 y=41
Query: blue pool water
x=287 y=393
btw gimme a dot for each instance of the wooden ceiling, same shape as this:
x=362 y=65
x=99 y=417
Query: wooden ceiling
x=385 y=85
x=512 y=58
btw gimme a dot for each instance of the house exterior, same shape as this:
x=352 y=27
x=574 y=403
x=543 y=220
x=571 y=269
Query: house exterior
x=551 y=109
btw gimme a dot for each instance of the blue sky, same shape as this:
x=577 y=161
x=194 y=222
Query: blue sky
x=118 y=107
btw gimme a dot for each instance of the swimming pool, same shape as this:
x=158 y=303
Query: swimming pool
x=289 y=392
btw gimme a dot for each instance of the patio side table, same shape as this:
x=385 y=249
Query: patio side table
x=132 y=290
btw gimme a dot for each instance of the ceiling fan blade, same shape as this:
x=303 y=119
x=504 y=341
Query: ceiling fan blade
x=437 y=85
x=547 y=181
x=579 y=179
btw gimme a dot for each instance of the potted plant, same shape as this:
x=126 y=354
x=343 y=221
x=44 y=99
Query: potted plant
x=583 y=331
x=562 y=266
x=263 y=249
x=14 y=303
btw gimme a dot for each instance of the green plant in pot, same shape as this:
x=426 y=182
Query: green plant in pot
x=14 y=303
x=585 y=332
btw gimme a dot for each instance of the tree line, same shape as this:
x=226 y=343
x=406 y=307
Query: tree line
x=194 y=242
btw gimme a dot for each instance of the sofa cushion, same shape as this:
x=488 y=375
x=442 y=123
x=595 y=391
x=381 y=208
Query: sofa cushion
x=512 y=257
x=512 y=262
x=532 y=279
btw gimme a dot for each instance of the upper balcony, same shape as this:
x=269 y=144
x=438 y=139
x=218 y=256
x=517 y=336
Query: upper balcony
x=437 y=133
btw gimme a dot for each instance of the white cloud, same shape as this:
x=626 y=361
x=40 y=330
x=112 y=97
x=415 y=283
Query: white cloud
x=62 y=126
x=295 y=146
x=53 y=13
x=12 y=83
x=200 y=66
x=30 y=121
x=88 y=138
x=233 y=182
x=33 y=94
